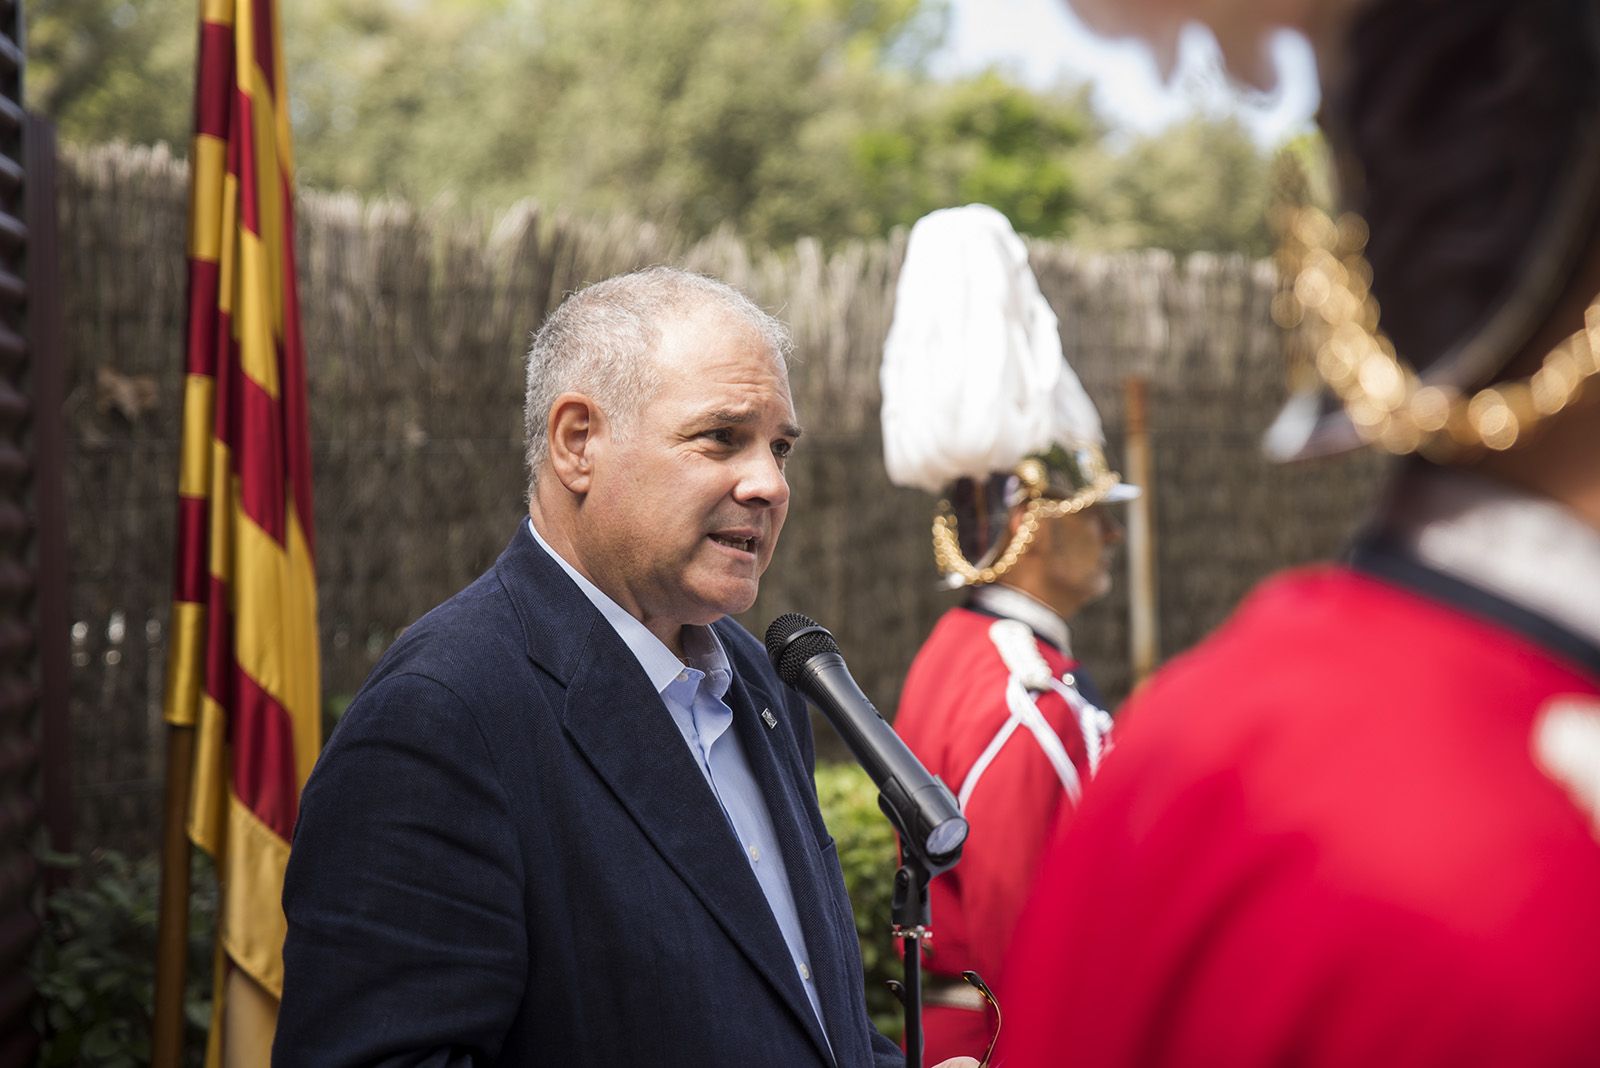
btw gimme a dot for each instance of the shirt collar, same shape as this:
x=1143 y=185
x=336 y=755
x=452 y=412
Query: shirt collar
x=702 y=648
x=1525 y=548
x=1011 y=603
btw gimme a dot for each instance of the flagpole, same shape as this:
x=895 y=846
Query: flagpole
x=172 y=924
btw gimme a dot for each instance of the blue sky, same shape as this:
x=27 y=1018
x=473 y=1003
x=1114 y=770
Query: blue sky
x=1042 y=43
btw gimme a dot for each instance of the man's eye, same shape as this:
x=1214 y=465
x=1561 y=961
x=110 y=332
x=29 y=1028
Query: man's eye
x=782 y=449
x=722 y=436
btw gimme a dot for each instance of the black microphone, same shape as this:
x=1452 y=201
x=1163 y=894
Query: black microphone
x=921 y=807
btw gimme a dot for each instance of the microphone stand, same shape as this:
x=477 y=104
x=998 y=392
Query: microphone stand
x=911 y=918
x=921 y=808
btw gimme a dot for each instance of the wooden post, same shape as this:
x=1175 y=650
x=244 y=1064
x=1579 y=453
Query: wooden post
x=172 y=925
x=47 y=365
x=1143 y=623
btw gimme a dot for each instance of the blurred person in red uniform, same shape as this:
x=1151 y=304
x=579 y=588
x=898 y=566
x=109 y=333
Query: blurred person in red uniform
x=1360 y=825
x=995 y=703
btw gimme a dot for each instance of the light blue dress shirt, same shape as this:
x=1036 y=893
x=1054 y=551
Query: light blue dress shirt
x=693 y=693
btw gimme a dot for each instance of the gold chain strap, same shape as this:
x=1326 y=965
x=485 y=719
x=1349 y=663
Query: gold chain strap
x=1384 y=398
x=947 y=554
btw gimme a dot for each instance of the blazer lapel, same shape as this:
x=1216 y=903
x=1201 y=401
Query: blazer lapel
x=618 y=722
x=789 y=799
x=629 y=739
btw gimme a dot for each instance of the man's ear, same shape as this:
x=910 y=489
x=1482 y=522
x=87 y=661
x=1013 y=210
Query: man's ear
x=574 y=430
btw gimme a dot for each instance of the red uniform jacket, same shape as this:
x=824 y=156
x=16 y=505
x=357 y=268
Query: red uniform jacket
x=1323 y=841
x=952 y=707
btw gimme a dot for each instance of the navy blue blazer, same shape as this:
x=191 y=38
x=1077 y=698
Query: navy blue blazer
x=506 y=855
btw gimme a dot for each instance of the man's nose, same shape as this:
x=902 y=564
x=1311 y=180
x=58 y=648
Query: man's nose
x=762 y=481
x=1111 y=530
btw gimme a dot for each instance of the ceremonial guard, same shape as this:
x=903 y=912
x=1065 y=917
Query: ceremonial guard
x=1360 y=825
x=980 y=406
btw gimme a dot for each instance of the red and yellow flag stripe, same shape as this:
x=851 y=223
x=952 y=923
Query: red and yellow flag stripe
x=243 y=668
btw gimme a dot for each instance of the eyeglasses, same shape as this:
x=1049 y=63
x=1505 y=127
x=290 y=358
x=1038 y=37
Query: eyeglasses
x=976 y=982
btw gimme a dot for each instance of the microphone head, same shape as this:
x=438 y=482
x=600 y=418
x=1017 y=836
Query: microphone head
x=792 y=639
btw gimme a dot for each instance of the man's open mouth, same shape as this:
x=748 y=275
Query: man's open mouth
x=743 y=544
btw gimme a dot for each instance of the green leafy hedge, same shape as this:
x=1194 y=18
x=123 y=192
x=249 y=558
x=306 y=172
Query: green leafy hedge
x=94 y=965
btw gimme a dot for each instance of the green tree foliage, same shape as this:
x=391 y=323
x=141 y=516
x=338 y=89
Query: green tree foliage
x=743 y=113
x=1201 y=185
x=113 y=69
x=905 y=146
x=777 y=118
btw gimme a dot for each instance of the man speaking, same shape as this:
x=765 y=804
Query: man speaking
x=569 y=819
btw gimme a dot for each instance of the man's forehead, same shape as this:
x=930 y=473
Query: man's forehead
x=710 y=346
x=713 y=328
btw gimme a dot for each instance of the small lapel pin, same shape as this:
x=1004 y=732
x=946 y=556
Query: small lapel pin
x=768 y=718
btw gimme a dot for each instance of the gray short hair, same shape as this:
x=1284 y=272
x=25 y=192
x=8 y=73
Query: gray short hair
x=601 y=339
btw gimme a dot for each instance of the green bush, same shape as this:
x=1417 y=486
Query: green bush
x=867 y=853
x=94 y=965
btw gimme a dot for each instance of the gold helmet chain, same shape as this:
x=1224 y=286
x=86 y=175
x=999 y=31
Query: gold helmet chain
x=1031 y=473
x=1386 y=401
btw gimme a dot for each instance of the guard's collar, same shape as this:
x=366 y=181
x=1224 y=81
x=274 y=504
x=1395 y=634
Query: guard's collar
x=1011 y=603
x=1523 y=548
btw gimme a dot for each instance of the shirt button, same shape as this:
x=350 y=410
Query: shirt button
x=683 y=676
x=805 y=973
x=755 y=854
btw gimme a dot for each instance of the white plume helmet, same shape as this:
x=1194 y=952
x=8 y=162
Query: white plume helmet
x=973 y=376
x=976 y=391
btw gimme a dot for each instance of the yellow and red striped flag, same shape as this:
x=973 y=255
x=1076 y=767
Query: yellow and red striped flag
x=243 y=669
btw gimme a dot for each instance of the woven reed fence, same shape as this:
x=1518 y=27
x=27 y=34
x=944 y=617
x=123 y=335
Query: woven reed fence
x=416 y=322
